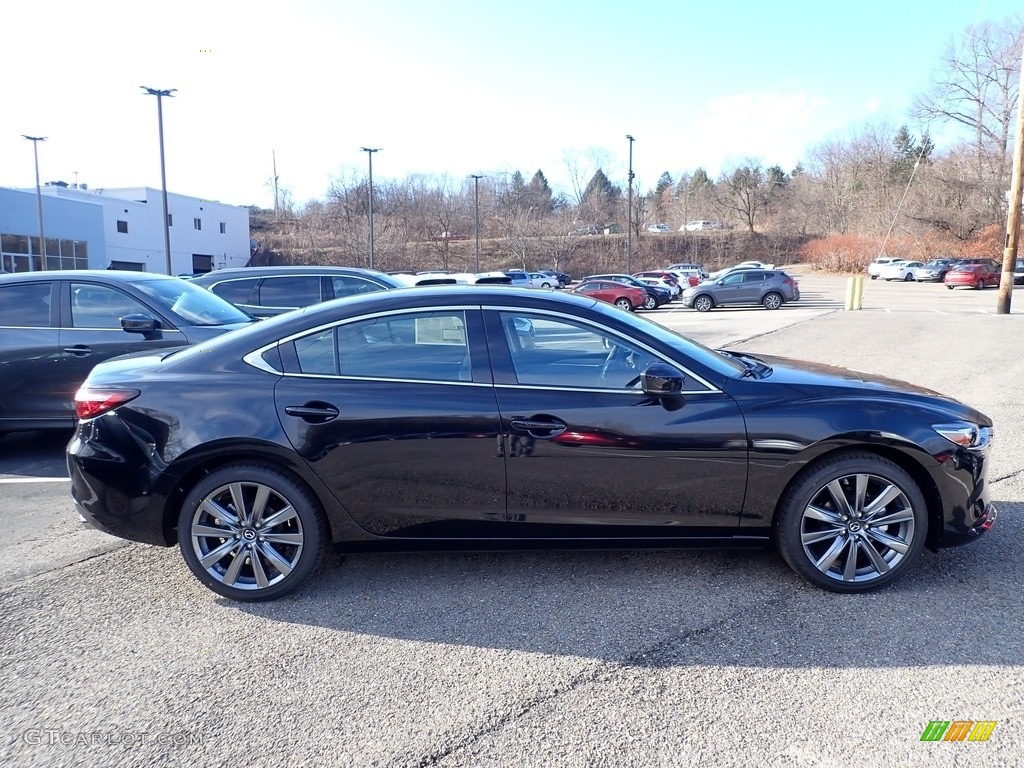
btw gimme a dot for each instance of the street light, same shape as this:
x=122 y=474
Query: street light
x=476 y=207
x=629 y=209
x=163 y=170
x=39 y=204
x=369 y=155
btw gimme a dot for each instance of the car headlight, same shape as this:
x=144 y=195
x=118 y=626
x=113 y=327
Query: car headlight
x=965 y=434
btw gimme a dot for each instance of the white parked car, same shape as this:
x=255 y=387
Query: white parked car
x=673 y=289
x=900 y=269
x=877 y=264
x=540 y=280
x=696 y=226
x=659 y=228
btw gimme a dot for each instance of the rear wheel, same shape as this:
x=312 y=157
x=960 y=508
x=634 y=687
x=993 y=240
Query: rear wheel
x=703 y=303
x=624 y=303
x=853 y=523
x=950 y=287
x=772 y=301
x=250 y=532
x=908 y=278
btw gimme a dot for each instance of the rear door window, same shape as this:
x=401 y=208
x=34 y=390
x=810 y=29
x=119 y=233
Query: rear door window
x=290 y=292
x=236 y=291
x=25 y=305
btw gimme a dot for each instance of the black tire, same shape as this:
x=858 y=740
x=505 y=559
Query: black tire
x=624 y=303
x=874 y=277
x=280 y=556
x=650 y=302
x=802 y=532
x=703 y=303
x=950 y=287
x=772 y=300
x=908 y=278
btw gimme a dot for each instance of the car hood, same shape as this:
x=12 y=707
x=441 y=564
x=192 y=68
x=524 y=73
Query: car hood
x=821 y=380
x=804 y=374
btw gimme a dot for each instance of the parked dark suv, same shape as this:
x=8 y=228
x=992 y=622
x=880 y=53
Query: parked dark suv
x=55 y=326
x=268 y=291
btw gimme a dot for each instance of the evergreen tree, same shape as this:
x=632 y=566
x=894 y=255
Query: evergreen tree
x=539 y=194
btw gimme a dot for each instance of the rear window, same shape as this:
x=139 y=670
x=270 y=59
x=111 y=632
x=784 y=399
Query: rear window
x=25 y=305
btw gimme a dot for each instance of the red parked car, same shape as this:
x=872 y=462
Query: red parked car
x=622 y=296
x=979 y=273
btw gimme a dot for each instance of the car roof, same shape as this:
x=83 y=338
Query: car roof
x=111 y=275
x=239 y=272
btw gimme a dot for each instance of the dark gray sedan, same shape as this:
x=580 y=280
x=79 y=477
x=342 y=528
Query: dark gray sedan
x=933 y=271
x=56 y=325
x=771 y=288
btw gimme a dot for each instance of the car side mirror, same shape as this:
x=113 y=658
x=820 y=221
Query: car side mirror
x=665 y=383
x=139 y=323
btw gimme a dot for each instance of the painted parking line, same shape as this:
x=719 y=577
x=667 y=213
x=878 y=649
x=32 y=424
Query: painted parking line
x=10 y=480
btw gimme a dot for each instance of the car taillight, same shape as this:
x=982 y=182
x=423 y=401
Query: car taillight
x=789 y=281
x=90 y=402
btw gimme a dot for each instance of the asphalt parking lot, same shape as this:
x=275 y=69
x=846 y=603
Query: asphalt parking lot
x=113 y=654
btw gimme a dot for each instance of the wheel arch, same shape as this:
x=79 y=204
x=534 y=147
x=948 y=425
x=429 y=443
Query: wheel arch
x=190 y=468
x=901 y=458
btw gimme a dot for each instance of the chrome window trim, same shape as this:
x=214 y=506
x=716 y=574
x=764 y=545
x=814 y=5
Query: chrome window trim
x=610 y=331
x=609 y=391
x=257 y=353
x=390 y=380
x=119 y=329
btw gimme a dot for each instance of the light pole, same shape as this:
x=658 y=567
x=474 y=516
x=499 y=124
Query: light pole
x=476 y=208
x=629 y=209
x=163 y=169
x=369 y=155
x=39 y=204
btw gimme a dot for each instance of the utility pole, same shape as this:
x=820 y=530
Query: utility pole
x=629 y=211
x=39 y=204
x=160 y=94
x=369 y=156
x=476 y=207
x=276 y=210
x=1013 y=215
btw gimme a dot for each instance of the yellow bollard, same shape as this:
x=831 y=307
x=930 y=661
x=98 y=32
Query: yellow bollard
x=849 y=293
x=858 y=292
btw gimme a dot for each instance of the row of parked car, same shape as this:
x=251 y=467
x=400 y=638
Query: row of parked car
x=968 y=272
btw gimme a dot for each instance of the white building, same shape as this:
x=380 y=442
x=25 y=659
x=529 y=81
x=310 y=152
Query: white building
x=120 y=229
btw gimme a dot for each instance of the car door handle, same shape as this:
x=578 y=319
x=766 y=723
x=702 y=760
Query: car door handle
x=79 y=350
x=314 y=413
x=550 y=428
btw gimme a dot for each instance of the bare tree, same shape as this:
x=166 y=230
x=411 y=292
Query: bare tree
x=975 y=86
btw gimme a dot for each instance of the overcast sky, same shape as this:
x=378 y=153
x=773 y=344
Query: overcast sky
x=450 y=87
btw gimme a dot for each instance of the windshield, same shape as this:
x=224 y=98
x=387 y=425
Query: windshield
x=194 y=305
x=709 y=358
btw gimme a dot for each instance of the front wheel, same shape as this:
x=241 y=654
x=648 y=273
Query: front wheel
x=853 y=523
x=908 y=278
x=250 y=532
x=650 y=303
x=950 y=287
x=772 y=301
x=874 y=277
x=703 y=303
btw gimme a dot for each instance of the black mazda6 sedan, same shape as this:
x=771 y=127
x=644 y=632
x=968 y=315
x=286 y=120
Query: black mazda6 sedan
x=426 y=418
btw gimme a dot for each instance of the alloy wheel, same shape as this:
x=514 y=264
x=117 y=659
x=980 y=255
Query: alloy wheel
x=246 y=536
x=857 y=528
x=702 y=304
x=772 y=301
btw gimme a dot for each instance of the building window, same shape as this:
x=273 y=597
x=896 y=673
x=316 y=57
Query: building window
x=197 y=223
x=122 y=226
x=223 y=228
x=170 y=219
